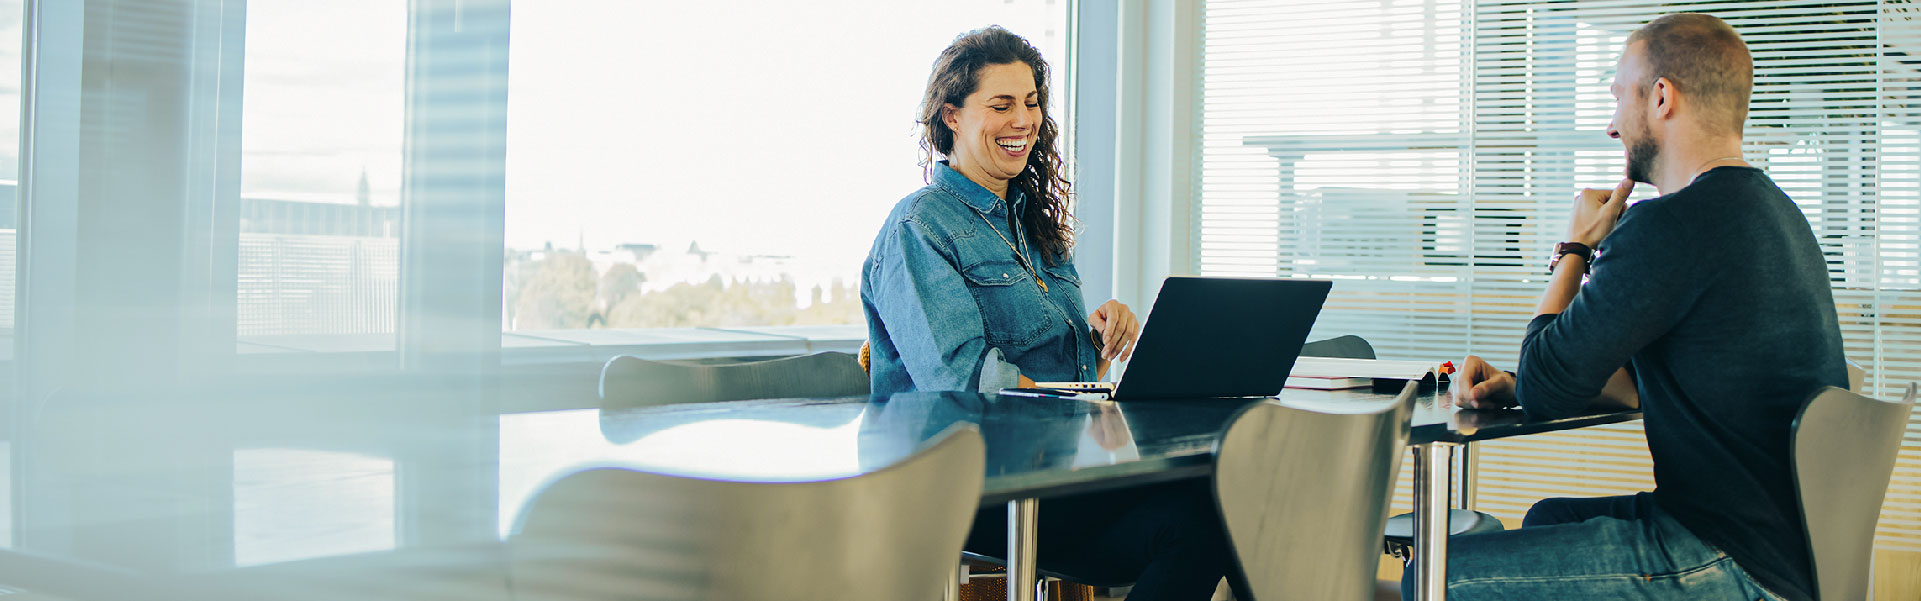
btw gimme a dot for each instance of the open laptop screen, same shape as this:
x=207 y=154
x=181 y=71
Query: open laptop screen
x=1222 y=337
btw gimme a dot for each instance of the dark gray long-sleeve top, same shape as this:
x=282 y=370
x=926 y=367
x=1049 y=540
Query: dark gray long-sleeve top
x=1719 y=298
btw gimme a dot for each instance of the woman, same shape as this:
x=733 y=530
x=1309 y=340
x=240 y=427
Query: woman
x=970 y=286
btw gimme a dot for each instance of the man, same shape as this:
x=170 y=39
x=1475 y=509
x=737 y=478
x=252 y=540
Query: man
x=1715 y=298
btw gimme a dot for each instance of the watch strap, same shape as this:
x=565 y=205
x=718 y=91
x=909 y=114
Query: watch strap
x=1571 y=248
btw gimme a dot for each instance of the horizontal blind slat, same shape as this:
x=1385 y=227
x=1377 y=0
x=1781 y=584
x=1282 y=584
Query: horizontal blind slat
x=1421 y=153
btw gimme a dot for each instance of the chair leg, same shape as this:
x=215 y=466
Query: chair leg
x=955 y=577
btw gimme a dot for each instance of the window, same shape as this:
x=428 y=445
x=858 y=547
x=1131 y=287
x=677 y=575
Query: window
x=320 y=181
x=1423 y=153
x=11 y=13
x=6 y=494
x=10 y=28
x=728 y=167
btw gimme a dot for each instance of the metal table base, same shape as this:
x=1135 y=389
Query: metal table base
x=1023 y=524
x=1433 y=481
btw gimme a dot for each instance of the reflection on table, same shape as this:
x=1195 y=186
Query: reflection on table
x=182 y=487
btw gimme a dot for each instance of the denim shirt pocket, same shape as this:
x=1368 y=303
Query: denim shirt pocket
x=1066 y=274
x=1012 y=310
x=1067 y=284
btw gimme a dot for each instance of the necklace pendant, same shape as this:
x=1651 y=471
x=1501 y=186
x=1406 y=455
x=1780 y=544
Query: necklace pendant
x=1037 y=280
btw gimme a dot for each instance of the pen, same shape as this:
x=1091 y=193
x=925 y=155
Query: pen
x=1078 y=396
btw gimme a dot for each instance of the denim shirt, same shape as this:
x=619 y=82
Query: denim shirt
x=950 y=309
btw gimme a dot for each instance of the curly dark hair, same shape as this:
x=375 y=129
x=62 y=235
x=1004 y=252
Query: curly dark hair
x=956 y=75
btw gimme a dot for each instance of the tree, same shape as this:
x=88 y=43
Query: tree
x=560 y=295
x=740 y=303
x=618 y=283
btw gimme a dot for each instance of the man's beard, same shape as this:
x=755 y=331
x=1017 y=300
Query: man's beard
x=1641 y=155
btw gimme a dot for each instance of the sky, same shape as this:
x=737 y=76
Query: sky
x=752 y=127
x=323 y=99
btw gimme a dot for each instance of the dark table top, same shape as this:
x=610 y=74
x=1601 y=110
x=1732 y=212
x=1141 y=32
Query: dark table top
x=191 y=486
x=1036 y=447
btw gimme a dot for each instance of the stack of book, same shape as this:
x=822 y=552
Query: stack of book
x=1327 y=373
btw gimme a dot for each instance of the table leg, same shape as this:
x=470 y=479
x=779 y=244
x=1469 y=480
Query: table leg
x=1023 y=523
x=1433 y=481
x=1466 y=454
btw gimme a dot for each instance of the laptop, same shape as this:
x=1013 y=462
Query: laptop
x=1210 y=337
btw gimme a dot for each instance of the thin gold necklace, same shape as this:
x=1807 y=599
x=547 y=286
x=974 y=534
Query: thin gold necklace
x=1020 y=256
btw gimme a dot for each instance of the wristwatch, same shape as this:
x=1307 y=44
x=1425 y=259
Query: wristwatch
x=1571 y=248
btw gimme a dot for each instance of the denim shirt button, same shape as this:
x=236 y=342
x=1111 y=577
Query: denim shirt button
x=936 y=237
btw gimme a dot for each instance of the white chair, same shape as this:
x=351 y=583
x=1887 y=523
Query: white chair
x=604 y=534
x=1305 y=494
x=1844 y=447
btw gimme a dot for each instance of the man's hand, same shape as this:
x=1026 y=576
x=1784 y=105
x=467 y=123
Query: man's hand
x=1116 y=329
x=1596 y=211
x=1480 y=386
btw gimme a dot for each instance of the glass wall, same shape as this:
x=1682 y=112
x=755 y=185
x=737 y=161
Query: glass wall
x=320 y=171
x=719 y=164
x=273 y=242
x=11 y=15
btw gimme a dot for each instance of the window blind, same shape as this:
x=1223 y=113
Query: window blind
x=1423 y=154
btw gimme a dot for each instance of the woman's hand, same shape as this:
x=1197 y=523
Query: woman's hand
x=1116 y=328
x=1480 y=386
x=1109 y=428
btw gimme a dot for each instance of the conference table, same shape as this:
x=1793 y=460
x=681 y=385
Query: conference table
x=135 y=496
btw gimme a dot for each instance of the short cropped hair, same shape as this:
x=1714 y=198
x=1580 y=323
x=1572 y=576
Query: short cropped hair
x=1704 y=58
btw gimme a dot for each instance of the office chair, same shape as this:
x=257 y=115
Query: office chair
x=1844 y=447
x=1343 y=347
x=627 y=381
x=605 y=534
x=1304 y=493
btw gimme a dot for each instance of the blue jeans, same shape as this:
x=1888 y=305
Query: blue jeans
x=1606 y=548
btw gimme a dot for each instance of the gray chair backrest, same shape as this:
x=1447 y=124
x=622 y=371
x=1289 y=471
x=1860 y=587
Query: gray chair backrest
x=1344 y=347
x=621 y=534
x=1305 y=494
x=628 y=381
x=1844 y=447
